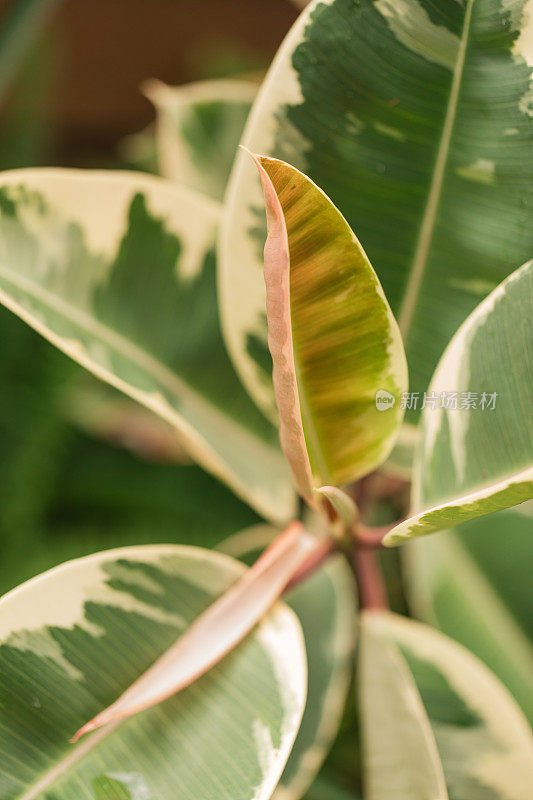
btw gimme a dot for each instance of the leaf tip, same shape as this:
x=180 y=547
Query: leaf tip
x=87 y=728
x=253 y=156
x=341 y=502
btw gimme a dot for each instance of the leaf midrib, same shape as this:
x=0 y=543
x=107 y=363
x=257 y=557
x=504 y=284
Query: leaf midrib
x=420 y=258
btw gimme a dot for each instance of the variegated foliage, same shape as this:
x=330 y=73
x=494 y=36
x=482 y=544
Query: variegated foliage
x=436 y=723
x=325 y=605
x=226 y=737
x=215 y=633
x=198 y=129
x=334 y=342
x=415 y=118
x=118 y=271
x=193 y=142
x=475 y=585
x=476 y=457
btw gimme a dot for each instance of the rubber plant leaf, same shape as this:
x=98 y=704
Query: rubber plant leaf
x=215 y=633
x=435 y=721
x=335 y=345
x=198 y=129
x=72 y=638
x=463 y=583
x=476 y=453
x=118 y=271
x=416 y=119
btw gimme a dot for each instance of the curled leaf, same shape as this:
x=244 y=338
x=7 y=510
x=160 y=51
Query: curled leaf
x=338 y=361
x=342 y=503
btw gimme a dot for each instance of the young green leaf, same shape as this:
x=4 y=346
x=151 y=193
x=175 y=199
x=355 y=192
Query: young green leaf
x=198 y=129
x=436 y=722
x=476 y=454
x=74 y=637
x=118 y=271
x=334 y=342
x=479 y=593
x=415 y=118
x=342 y=504
x=325 y=604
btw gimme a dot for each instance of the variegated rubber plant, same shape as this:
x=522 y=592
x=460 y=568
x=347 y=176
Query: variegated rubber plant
x=156 y=672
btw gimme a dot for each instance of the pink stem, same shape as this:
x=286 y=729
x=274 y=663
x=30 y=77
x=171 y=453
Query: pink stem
x=372 y=592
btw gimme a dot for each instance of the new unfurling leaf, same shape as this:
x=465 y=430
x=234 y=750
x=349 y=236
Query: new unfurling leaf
x=334 y=342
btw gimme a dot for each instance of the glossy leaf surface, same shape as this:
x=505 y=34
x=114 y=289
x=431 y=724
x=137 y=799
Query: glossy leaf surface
x=436 y=722
x=118 y=271
x=415 y=118
x=476 y=453
x=62 y=661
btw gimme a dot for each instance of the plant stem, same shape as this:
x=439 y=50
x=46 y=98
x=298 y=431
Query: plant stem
x=366 y=536
x=360 y=545
x=370 y=581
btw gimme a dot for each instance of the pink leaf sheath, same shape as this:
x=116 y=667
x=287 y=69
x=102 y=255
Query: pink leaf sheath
x=278 y=305
x=215 y=632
